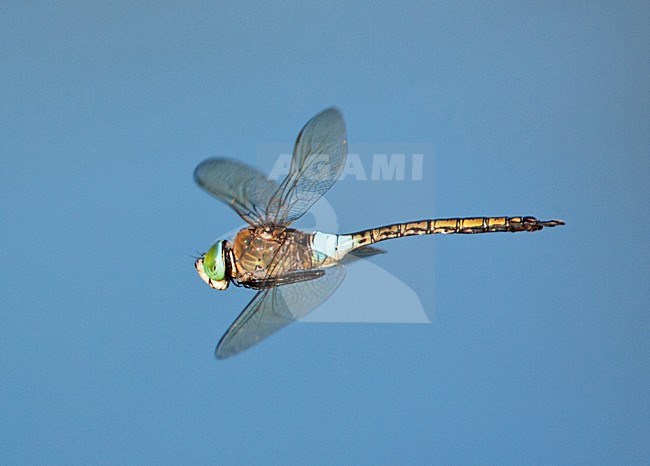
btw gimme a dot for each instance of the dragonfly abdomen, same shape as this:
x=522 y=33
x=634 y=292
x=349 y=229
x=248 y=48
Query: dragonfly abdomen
x=330 y=248
x=470 y=225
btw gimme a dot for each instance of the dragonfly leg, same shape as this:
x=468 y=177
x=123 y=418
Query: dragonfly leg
x=286 y=279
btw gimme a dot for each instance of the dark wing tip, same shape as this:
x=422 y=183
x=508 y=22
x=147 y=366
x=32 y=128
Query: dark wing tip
x=219 y=352
x=331 y=116
x=202 y=167
x=218 y=355
x=334 y=110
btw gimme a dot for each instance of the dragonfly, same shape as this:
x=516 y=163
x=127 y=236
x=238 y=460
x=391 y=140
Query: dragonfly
x=294 y=271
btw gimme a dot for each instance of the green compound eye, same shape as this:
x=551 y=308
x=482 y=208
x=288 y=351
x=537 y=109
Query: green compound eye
x=213 y=262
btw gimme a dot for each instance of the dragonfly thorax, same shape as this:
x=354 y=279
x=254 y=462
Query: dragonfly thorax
x=261 y=254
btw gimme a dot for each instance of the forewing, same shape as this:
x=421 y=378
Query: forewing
x=240 y=186
x=274 y=308
x=318 y=160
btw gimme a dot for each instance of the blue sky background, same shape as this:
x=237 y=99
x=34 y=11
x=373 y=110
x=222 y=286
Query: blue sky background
x=538 y=348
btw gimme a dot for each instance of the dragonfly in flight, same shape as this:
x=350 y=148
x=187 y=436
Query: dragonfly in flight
x=294 y=271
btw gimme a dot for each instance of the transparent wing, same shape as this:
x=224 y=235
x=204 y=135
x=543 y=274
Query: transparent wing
x=241 y=187
x=273 y=308
x=318 y=160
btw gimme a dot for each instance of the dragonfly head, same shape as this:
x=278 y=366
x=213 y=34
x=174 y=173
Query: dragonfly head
x=213 y=266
